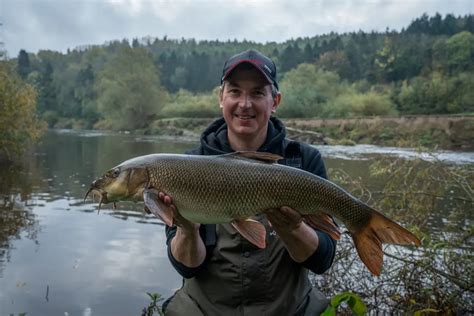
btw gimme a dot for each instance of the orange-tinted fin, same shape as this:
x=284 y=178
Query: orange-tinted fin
x=368 y=240
x=157 y=207
x=256 y=155
x=324 y=223
x=251 y=230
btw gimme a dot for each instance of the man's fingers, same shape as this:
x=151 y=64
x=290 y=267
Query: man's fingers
x=165 y=198
x=291 y=214
x=284 y=217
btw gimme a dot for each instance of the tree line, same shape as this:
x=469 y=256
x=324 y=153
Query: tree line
x=427 y=68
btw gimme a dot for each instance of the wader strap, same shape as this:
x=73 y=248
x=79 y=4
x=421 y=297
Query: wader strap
x=293 y=154
x=210 y=235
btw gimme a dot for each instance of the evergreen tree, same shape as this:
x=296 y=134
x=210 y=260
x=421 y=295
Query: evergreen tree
x=135 y=43
x=47 y=91
x=23 y=64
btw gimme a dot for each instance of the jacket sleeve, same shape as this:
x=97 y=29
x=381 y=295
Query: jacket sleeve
x=322 y=259
x=186 y=272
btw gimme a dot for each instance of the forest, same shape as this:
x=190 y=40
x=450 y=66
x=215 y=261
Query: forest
x=425 y=68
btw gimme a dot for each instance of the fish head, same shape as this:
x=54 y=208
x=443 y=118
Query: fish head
x=120 y=183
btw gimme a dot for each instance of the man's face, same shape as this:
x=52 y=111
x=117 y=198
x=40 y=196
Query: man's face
x=247 y=103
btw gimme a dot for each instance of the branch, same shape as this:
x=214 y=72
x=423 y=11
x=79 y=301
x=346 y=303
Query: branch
x=459 y=282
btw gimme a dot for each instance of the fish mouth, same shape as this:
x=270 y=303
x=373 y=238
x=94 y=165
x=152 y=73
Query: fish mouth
x=102 y=195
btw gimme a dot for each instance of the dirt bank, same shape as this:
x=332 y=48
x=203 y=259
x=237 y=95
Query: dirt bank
x=442 y=132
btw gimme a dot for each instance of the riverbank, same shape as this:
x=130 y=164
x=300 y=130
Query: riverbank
x=441 y=132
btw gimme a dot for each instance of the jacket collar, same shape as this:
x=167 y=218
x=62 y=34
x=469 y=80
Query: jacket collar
x=214 y=139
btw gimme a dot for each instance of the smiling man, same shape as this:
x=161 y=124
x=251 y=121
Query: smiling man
x=223 y=273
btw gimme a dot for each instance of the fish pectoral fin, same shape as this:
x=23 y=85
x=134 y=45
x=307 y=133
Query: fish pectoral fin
x=255 y=155
x=157 y=207
x=251 y=230
x=324 y=223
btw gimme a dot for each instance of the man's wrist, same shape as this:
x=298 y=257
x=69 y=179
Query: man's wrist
x=188 y=232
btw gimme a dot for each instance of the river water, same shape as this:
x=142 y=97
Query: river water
x=58 y=256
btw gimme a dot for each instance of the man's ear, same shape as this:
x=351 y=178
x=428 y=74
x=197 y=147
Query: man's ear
x=276 y=102
x=220 y=96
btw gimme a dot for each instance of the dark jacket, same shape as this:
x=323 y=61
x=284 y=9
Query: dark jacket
x=236 y=276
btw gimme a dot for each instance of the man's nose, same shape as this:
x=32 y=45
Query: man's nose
x=245 y=101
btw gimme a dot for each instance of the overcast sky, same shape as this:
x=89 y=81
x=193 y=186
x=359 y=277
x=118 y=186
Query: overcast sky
x=61 y=24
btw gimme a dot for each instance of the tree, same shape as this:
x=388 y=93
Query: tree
x=335 y=61
x=23 y=64
x=454 y=54
x=47 y=91
x=307 y=90
x=129 y=91
x=19 y=124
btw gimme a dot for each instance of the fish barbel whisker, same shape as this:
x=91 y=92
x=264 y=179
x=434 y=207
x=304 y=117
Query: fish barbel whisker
x=87 y=194
x=100 y=202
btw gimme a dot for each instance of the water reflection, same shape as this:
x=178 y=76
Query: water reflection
x=16 y=218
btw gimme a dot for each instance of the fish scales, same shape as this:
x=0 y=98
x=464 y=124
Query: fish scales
x=221 y=189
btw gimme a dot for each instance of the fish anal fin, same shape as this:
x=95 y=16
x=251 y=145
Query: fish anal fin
x=324 y=223
x=380 y=230
x=256 y=155
x=157 y=207
x=251 y=230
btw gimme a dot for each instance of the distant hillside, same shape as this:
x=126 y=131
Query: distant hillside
x=406 y=66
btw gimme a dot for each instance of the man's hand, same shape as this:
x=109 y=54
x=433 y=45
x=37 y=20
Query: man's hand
x=187 y=246
x=284 y=218
x=300 y=240
x=178 y=220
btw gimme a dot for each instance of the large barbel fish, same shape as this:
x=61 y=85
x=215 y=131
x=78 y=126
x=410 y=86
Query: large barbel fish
x=234 y=187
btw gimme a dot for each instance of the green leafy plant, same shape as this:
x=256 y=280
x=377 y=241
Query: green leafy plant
x=154 y=305
x=353 y=301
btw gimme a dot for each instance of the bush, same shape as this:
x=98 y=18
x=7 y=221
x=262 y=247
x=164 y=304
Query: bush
x=361 y=104
x=187 y=104
x=18 y=122
x=436 y=277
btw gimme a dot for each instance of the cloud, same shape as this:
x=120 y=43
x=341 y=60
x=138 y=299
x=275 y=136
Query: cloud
x=62 y=24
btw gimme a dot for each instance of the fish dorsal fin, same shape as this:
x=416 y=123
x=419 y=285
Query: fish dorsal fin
x=256 y=155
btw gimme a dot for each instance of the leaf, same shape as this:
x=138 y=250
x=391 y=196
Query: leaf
x=354 y=302
x=425 y=311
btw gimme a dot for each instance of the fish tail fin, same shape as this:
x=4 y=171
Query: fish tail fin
x=369 y=239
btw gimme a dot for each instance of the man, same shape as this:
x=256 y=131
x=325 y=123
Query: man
x=223 y=273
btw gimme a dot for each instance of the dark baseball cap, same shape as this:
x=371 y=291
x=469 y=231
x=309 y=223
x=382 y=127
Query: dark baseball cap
x=264 y=64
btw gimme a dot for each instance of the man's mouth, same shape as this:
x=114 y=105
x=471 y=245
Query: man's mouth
x=245 y=116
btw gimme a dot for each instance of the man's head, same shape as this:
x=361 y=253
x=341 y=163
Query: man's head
x=248 y=95
x=261 y=62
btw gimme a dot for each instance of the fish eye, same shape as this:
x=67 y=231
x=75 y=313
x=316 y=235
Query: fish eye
x=114 y=173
